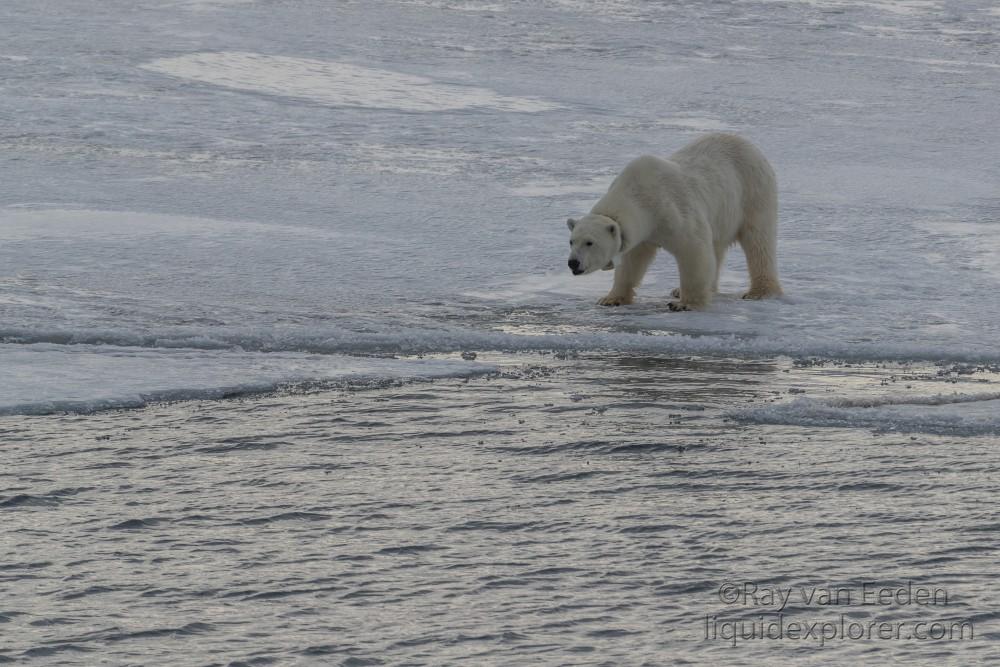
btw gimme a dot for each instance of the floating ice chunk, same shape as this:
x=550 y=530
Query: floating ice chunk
x=954 y=414
x=45 y=378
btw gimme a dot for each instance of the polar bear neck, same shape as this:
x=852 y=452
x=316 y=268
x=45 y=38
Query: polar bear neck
x=616 y=259
x=623 y=238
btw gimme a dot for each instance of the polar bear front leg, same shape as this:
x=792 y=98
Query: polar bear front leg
x=628 y=275
x=720 y=259
x=696 y=265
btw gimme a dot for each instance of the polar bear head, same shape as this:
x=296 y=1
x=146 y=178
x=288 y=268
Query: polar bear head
x=594 y=241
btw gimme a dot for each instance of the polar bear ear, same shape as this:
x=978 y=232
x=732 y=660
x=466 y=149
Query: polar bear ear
x=571 y=223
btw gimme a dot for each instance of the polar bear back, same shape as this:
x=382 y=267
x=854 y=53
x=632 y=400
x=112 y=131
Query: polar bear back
x=732 y=176
x=709 y=189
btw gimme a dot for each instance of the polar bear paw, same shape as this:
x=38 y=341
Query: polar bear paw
x=676 y=306
x=616 y=300
x=757 y=294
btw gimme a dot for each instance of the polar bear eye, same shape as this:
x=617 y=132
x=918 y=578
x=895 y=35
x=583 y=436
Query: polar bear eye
x=590 y=243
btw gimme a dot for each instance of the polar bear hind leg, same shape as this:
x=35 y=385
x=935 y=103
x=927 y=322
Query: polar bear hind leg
x=758 y=238
x=720 y=259
x=628 y=274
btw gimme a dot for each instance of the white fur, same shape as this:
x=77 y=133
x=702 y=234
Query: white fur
x=716 y=191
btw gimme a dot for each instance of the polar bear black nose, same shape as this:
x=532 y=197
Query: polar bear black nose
x=574 y=265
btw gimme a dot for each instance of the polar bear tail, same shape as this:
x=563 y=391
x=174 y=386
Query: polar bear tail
x=758 y=235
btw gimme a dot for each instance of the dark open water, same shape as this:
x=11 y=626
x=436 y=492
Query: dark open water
x=569 y=511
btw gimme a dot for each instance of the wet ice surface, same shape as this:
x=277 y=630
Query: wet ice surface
x=568 y=511
x=202 y=198
x=395 y=177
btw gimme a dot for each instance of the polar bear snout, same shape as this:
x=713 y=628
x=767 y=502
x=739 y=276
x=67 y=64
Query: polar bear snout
x=574 y=266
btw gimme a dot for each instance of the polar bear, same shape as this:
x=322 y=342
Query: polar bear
x=716 y=191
